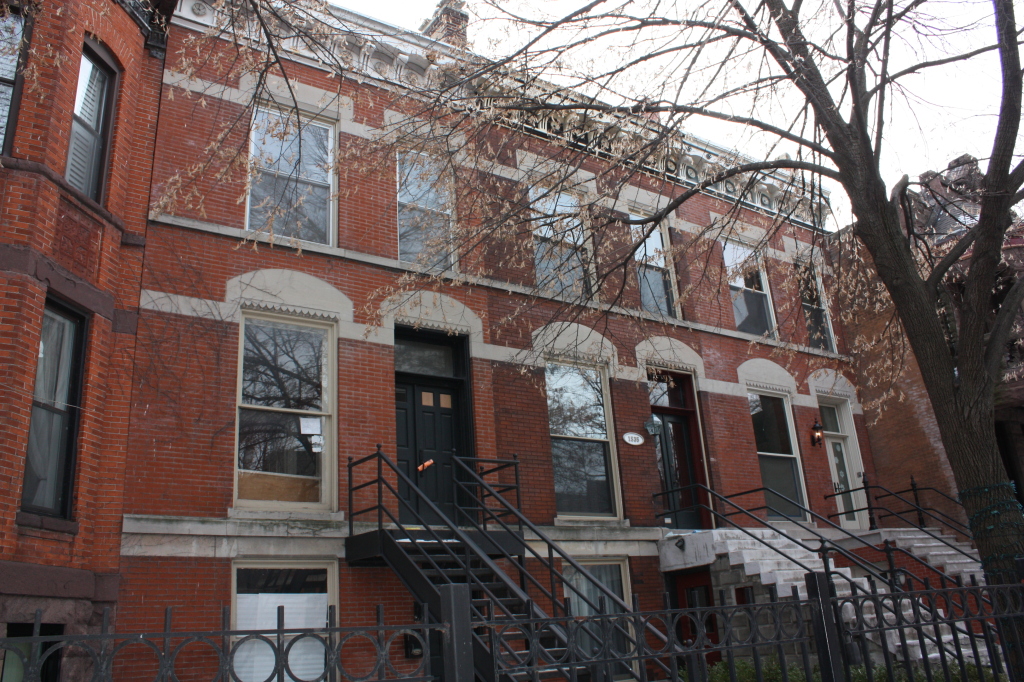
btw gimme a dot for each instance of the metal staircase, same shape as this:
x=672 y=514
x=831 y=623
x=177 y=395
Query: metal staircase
x=510 y=580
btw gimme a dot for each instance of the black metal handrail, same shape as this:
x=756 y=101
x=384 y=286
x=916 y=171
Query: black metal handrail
x=385 y=515
x=496 y=518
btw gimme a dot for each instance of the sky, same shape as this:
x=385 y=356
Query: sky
x=947 y=111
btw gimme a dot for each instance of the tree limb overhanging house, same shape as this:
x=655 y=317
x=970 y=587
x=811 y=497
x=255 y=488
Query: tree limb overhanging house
x=280 y=329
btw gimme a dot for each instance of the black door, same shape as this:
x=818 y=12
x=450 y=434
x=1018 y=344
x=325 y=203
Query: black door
x=427 y=424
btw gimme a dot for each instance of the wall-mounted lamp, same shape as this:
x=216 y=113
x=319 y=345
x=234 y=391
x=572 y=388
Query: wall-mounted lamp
x=817 y=434
x=653 y=426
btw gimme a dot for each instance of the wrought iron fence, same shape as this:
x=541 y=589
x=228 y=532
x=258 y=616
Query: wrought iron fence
x=969 y=633
x=396 y=653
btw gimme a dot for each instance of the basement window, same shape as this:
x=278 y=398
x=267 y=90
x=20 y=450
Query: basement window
x=305 y=590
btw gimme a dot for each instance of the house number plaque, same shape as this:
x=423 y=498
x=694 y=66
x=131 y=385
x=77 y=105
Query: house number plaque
x=633 y=438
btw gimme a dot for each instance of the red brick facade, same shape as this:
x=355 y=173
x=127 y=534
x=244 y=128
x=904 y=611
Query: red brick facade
x=155 y=478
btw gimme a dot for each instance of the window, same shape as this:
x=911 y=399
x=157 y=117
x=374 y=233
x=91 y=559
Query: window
x=584 y=595
x=90 y=125
x=12 y=666
x=750 y=303
x=653 y=275
x=305 y=590
x=819 y=328
x=290 y=194
x=780 y=471
x=559 y=241
x=579 y=440
x=12 y=27
x=284 y=412
x=55 y=409
x=424 y=213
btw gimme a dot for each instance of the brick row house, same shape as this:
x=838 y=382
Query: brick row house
x=79 y=95
x=198 y=427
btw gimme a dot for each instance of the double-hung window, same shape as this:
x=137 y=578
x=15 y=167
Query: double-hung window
x=424 y=213
x=12 y=27
x=652 y=272
x=291 y=185
x=580 y=452
x=55 y=411
x=284 y=412
x=305 y=590
x=780 y=471
x=819 y=327
x=90 y=125
x=751 y=305
x=561 y=260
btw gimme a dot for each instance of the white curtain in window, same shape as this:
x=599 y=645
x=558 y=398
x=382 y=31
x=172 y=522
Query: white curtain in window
x=254 y=660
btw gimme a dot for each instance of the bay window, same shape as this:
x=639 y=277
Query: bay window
x=580 y=450
x=12 y=28
x=290 y=190
x=284 y=412
x=90 y=125
x=52 y=434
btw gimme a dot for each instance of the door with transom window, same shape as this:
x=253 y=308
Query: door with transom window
x=676 y=432
x=844 y=463
x=429 y=424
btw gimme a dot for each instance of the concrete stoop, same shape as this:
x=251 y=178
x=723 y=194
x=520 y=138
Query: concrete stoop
x=762 y=557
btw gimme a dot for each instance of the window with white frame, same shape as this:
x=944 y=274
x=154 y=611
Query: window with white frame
x=585 y=596
x=777 y=458
x=305 y=590
x=12 y=28
x=580 y=451
x=751 y=305
x=284 y=412
x=290 y=190
x=424 y=212
x=819 y=326
x=652 y=270
x=561 y=258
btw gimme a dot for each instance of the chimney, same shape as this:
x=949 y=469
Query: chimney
x=448 y=23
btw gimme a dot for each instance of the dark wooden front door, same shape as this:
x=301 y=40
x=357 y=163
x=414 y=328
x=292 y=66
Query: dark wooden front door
x=428 y=431
x=679 y=451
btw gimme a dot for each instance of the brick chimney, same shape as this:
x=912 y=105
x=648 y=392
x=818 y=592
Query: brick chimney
x=448 y=23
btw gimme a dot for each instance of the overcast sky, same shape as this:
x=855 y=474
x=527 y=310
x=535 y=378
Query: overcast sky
x=950 y=110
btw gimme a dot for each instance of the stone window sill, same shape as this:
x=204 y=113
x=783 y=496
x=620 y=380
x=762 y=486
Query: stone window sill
x=30 y=520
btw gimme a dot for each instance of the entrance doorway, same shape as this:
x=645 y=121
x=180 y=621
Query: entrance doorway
x=845 y=465
x=678 y=448
x=430 y=421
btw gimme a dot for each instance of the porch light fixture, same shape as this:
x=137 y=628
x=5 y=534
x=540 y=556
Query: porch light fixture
x=653 y=426
x=817 y=434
